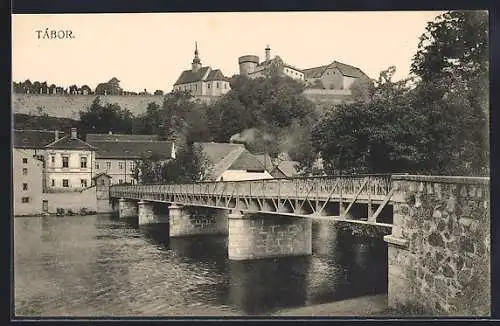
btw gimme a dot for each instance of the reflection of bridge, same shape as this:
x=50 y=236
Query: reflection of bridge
x=429 y=217
x=360 y=199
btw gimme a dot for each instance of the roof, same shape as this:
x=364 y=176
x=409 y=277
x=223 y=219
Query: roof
x=132 y=149
x=102 y=174
x=120 y=137
x=216 y=75
x=267 y=62
x=215 y=152
x=70 y=143
x=345 y=69
x=315 y=72
x=189 y=76
x=34 y=138
x=247 y=161
x=289 y=168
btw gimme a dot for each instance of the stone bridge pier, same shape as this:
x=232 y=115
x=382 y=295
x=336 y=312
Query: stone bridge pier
x=439 y=249
x=189 y=221
x=257 y=236
x=127 y=208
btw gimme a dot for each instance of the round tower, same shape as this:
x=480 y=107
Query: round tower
x=248 y=64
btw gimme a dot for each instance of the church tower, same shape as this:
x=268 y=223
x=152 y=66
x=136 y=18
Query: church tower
x=196 y=65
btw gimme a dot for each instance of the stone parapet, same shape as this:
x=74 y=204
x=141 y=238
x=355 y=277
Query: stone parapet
x=439 y=249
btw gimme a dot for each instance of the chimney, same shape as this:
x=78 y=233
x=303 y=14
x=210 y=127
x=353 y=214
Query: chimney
x=56 y=135
x=73 y=133
x=268 y=53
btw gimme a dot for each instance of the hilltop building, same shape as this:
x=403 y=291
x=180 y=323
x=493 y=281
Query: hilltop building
x=117 y=154
x=334 y=76
x=204 y=83
x=251 y=67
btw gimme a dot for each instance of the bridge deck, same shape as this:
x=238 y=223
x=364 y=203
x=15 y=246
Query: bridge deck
x=294 y=196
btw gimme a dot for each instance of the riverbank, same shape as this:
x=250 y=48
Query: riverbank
x=374 y=305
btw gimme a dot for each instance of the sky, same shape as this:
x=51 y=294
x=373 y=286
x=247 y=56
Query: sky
x=150 y=50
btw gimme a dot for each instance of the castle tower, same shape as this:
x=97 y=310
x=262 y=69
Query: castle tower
x=196 y=65
x=248 y=64
x=268 y=53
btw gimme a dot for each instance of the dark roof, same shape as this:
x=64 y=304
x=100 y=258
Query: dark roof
x=34 y=138
x=215 y=152
x=247 y=161
x=348 y=70
x=102 y=174
x=70 y=143
x=288 y=168
x=216 y=75
x=345 y=69
x=120 y=137
x=189 y=76
x=315 y=72
x=132 y=149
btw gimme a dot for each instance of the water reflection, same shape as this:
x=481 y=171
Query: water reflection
x=96 y=265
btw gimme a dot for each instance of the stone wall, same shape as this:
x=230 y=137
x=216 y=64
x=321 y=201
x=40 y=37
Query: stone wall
x=255 y=236
x=187 y=221
x=439 y=249
x=74 y=201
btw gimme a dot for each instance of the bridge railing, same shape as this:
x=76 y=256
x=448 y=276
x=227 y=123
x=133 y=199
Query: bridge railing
x=311 y=187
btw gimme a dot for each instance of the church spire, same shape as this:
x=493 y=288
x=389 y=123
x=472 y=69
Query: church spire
x=196 y=61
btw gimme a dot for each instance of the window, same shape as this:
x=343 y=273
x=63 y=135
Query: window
x=83 y=161
x=25 y=186
x=102 y=182
x=108 y=165
x=120 y=165
x=25 y=199
x=217 y=84
x=25 y=171
x=225 y=85
x=97 y=165
x=53 y=183
x=65 y=160
x=83 y=183
x=208 y=85
x=120 y=181
x=65 y=183
x=132 y=165
x=53 y=158
x=25 y=161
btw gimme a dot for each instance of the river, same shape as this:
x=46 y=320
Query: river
x=100 y=266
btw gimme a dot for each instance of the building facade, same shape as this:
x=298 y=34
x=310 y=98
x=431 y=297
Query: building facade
x=117 y=154
x=252 y=68
x=27 y=184
x=204 y=83
x=334 y=76
x=232 y=162
x=69 y=164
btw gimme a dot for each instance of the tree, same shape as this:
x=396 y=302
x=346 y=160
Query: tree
x=99 y=118
x=112 y=87
x=190 y=165
x=158 y=92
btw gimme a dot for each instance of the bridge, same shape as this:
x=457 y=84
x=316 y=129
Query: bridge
x=438 y=246
x=359 y=199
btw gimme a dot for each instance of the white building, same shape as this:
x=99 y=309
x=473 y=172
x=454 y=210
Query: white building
x=204 y=83
x=69 y=164
x=252 y=68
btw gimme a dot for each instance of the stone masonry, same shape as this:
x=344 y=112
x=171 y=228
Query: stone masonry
x=187 y=221
x=126 y=208
x=253 y=236
x=147 y=214
x=439 y=249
